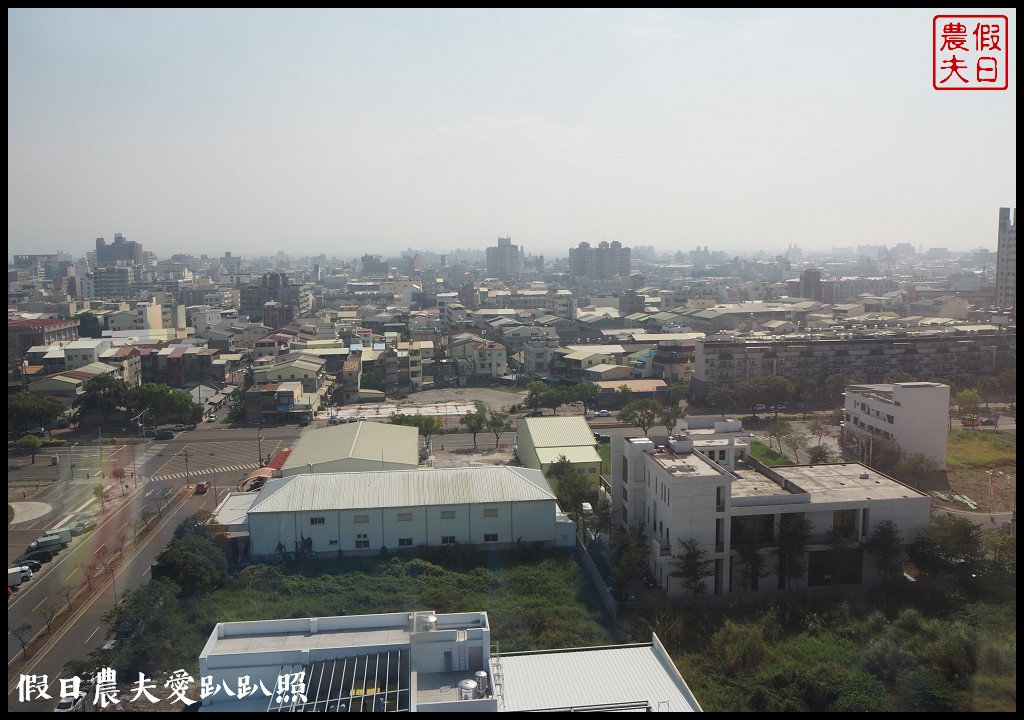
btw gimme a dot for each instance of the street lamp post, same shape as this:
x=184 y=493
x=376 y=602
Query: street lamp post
x=72 y=463
x=260 y=440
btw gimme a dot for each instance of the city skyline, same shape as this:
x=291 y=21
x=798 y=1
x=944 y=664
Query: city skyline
x=345 y=132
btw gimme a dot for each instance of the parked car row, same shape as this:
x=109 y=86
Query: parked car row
x=342 y=419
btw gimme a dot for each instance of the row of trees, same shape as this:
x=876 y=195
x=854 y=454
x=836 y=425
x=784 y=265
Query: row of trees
x=104 y=396
x=25 y=410
x=496 y=422
x=952 y=546
x=969 y=390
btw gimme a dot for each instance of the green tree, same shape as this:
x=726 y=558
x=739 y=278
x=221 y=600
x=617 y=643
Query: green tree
x=571 y=486
x=819 y=427
x=835 y=386
x=917 y=469
x=29 y=442
x=194 y=563
x=553 y=398
x=794 y=534
x=100 y=494
x=1001 y=547
x=968 y=401
x=721 y=398
x=751 y=568
x=668 y=414
x=237 y=411
x=585 y=394
x=628 y=550
x=102 y=394
x=642 y=413
x=19 y=409
x=535 y=395
x=886 y=549
x=988 y=389
x=200 y=524
x=48 y=611
x=475 y=421
x=23 y=634
x=89 y=325
x=623 y=396
x=952 y=545
x=677 y=392
x=498 y=422
x=796 y=443
x=691 y=566
x=777 y=431
x=820 y=455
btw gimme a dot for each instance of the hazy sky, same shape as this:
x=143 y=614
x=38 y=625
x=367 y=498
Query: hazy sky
x=353 y=131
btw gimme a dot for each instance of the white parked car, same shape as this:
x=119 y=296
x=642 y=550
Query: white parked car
x=603 y=413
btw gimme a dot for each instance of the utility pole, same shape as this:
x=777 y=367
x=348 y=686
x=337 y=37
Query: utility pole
x=141 y=415
x=184 y=453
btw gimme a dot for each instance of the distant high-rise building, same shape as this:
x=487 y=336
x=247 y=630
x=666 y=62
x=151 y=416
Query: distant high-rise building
x=599 y=263
x=811 y=286
x=504 y=261
x=1006 y=260
x=120 y=252
x=274 y=286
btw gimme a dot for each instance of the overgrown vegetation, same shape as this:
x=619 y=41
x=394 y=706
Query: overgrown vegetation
x=535 y=598
x=980 y=449
x=771 y=458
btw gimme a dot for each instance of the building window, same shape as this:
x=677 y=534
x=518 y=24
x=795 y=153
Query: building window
x=592 y=470
x=447 y=514
x=316 y=521
x=490 y=512
x=361 y=519
x=404 y=517
x=625 y=494
x=491 y=537
x=447 y=539
x=362 y=541
x=404 y=542
x=332 y=542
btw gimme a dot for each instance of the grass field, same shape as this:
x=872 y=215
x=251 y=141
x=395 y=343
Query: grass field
x=767 y=455
x=980 y=449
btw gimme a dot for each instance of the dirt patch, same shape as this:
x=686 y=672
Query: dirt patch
x=974 y=484
x=470 y=457
x=494 y=399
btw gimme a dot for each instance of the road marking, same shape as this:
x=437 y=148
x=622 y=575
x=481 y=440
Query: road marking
x=40 y=603
x=90 y=636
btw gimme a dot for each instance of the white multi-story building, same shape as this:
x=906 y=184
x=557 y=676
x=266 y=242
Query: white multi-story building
x=699 y=487
x=914 y=415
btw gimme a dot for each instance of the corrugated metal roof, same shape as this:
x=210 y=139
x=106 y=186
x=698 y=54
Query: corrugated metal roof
x=402 y=488
x=363 y=440
x=594 y=677
x=558 y=431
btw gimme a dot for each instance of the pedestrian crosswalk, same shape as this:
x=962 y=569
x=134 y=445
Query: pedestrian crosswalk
x=227 y=469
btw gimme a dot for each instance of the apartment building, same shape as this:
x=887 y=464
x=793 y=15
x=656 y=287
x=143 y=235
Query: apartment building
x=914 y=415
x=704 y=488
x=862 y=357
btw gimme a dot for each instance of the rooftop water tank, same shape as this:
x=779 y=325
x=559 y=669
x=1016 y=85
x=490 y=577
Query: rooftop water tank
x=467 y=689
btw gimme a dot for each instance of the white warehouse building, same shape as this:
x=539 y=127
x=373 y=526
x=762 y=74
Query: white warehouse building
x=674 y=491
x=362 y=512
x=914 y=415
